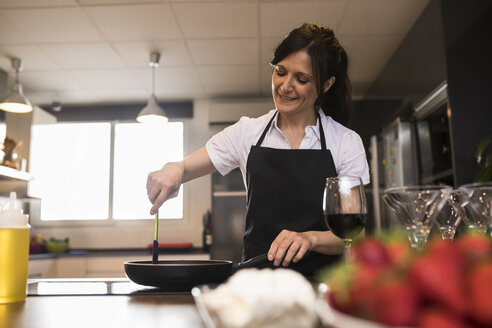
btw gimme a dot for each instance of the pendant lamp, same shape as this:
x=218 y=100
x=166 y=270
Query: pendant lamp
x=15 y=101
x=153 y=112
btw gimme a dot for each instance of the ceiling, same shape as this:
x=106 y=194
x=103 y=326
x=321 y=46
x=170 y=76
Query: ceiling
x=97 y=51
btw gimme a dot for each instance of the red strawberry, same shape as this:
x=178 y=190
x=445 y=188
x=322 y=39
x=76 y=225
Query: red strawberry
x=350 y=286
x=399 y=251
x=340 y=279
x=480 y=292
x=440 y=319
x=397 y=246
x=440 y=281
x=372 y=252
x=475 y=246
x=395 y=303
x=362 y=288
x=339 y=304
x=447 y=250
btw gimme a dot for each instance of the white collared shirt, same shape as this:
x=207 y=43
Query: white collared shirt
x=230 y=148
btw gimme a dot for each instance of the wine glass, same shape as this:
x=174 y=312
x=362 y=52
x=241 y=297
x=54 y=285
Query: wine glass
x=448 y=219
x=345 y=209
x=417 y=207
x=478 y=207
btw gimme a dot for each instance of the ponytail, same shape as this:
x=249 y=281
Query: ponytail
x=337 y=101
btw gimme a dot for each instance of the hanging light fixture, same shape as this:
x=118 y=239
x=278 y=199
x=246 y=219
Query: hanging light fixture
x=153 y=112
x=15 y=101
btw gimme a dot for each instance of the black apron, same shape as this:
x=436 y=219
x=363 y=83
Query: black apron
x=285 y=191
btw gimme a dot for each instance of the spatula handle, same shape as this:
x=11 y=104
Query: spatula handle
x=155 y=246
x=155 y=252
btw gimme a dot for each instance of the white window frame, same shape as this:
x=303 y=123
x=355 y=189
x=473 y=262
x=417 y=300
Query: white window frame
x=36 y=221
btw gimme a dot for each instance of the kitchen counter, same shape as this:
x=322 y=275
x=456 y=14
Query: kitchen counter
x=100 y=302
x=108 y=303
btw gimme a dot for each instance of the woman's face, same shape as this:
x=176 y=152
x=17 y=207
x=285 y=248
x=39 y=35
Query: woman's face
x=293 y=85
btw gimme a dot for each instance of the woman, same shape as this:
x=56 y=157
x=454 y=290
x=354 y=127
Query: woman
x=285 y=155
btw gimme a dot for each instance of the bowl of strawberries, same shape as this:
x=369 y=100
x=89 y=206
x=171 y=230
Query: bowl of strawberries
x=387 y=284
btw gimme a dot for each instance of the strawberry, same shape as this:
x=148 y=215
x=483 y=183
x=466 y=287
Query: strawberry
x=372 y=252
x=438 y=318
x=399 y=251
x=397 y=246
x=340 y=279
x=479 y=284
x=439 y=280
x=338 y=304
x=447 y=250
x=395 y=303
x=475 y=246
x=350 y=286
x=362 y=288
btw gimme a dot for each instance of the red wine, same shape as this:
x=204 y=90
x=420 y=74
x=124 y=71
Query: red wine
x=346 y=226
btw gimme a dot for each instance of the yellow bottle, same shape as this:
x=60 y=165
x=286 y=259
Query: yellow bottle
x=14 y=253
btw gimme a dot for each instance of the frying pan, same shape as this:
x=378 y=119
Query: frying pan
x=183 y=275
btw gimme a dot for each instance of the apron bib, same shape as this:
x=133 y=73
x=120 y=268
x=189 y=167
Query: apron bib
x=285 y=191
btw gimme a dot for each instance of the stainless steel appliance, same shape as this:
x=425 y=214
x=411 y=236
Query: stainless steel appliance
x=435 y=147
x=393 y=164
x=228 y=216
x=415 y=148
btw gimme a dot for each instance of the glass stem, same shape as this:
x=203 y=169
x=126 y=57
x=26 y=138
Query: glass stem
x=447 y=235
x=347 y=243
x=421 y=243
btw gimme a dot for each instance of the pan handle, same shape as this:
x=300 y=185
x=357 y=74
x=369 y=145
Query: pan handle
x=252 y=262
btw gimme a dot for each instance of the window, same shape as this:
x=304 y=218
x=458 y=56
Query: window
x=98 y=171
x=138 y=150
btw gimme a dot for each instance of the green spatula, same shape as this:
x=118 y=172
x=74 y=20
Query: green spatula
x=155 y=246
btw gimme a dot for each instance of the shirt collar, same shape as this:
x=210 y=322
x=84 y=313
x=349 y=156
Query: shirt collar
x=315 y=128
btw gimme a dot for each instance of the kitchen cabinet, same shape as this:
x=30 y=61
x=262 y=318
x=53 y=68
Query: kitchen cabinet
x=41 y=268
x=108 y=267
x=16 y=180
x=112 y=267
x=70 y=267
x=8 y=173
x=94 y=266
x=58 y=268
x=13 y=180
x=18 y=127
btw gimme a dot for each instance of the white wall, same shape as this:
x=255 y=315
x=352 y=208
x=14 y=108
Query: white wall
x=197 y=198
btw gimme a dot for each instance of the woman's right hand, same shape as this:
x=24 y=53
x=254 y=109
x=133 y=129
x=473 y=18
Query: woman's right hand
x=164 y=184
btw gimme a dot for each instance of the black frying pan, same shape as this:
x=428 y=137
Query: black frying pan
x=182 y=275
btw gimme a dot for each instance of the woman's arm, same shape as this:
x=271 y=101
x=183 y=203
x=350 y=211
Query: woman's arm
x=292 y=246
x=164 y=183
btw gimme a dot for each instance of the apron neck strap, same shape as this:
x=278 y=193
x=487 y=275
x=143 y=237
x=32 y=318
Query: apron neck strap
x=321 y=132
x=260 y=141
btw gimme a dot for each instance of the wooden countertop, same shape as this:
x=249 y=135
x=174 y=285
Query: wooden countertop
x=120 y=308
x=108 y=311
x=154 y=311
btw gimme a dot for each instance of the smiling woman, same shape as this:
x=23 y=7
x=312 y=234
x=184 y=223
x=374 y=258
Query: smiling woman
x=96 y=171
x=286 y=154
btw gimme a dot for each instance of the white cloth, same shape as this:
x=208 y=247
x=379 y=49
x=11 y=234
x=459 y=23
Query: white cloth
x=230 y=148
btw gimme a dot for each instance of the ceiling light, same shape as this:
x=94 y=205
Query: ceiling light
x=15 y=101
x=153 y=112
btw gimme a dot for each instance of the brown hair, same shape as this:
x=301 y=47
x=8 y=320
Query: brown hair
x=328 y=58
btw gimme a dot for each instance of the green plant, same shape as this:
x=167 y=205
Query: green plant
x=483 y=156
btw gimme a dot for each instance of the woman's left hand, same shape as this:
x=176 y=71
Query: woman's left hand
x=289 y=246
